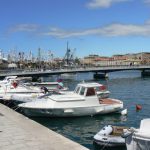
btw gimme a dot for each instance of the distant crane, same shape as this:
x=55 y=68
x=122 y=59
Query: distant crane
x=69 y=57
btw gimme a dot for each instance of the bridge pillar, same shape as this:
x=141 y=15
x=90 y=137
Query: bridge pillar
x=145 y=73
x=100 y=75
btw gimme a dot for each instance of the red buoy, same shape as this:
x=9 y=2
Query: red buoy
x=138 y=107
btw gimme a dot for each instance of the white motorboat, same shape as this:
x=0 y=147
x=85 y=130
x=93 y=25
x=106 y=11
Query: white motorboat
x=68 y=75
x=13 y=87
x=7 y=80
x=110 y=136
x=138 y=139
x=100 y=90
x=51 y=86
x=83 y=101
x=23 y=98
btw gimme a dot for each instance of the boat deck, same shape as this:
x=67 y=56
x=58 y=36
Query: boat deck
x=118 y=130
x=108 y=101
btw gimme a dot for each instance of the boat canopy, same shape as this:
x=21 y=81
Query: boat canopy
x=85 y=91
x=90 y=89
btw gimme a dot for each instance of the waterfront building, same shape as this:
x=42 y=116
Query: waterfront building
x=103 y=61
x=3 y=64
x=89 y=60
x=3 y=61
x=139 y=58
x=145 y=57
x=95 y=60
x=12 y=66
x=117 y=60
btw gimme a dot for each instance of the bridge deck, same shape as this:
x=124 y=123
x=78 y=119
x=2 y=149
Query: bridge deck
x=74 y=70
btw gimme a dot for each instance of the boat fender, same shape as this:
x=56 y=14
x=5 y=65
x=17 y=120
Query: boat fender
x=106 y=130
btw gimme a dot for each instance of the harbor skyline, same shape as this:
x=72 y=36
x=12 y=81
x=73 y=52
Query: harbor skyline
x=103 y=27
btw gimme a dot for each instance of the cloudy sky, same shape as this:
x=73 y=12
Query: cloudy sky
x=103 y=27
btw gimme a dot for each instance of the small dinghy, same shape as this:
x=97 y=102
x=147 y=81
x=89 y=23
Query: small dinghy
x=110 y=136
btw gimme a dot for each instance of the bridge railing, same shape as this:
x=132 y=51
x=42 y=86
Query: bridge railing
x=76 y=69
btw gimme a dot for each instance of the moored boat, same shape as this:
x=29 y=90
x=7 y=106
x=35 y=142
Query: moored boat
x=14 y=87
x=110 y=136
x=51 y=86
x=7 y=79
x=82 y=102
x=138 y=139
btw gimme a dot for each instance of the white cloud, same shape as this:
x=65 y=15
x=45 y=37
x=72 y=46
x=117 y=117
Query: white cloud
x=110 y=30
x=93 y=4
x=147 y=1
x=23 y=28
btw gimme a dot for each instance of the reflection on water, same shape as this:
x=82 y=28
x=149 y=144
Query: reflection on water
x=126 y=86
x=81 y=129
x=98 y=147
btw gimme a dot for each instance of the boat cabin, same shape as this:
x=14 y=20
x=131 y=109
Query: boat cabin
x=90 y=89
x=8 y=78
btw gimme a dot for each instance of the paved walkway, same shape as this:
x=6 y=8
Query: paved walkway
x=17 y=132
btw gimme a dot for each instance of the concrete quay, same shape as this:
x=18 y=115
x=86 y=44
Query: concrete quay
x=18 y=132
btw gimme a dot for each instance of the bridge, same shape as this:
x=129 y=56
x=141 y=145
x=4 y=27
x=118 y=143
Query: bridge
x=98 y=71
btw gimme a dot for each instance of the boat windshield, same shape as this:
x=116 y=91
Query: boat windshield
x=82 y=90
x=77 y=89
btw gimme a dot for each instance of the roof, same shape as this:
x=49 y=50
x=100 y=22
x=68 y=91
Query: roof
x=103 y=59
x=12 y=65
x=10 y=77
x=92 y=84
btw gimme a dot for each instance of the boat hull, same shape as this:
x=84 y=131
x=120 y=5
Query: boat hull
x=50 y=86
x=19 y=96
x=110 y=136
x=110 y=143
x=137 y=143
x=70 y=112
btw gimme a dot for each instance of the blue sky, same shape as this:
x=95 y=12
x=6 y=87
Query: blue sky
x=103 y=27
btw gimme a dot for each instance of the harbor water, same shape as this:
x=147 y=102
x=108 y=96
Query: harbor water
x=127 y=86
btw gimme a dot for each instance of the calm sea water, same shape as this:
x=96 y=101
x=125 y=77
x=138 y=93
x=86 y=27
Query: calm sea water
x=127 y=86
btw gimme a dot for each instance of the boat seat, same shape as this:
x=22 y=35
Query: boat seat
x=117 y=130
x=108 y=101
